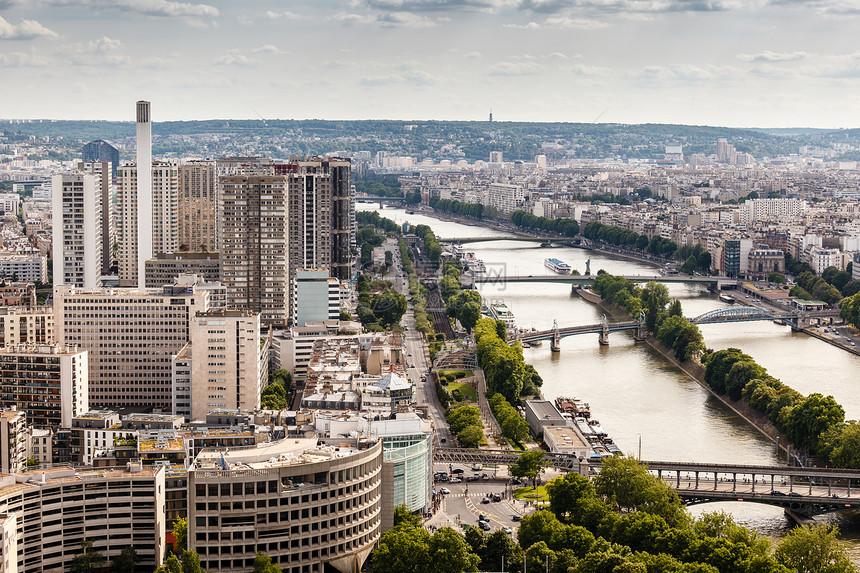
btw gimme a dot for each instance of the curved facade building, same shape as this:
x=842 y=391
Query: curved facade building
x=305 y=505
x=407 y=474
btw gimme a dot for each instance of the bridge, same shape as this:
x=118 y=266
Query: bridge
x=802 y=491
x=490 y=278
x=380 y=199
x=729 y=314
x=523 y=238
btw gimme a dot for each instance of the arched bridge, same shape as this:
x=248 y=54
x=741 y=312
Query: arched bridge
x=523 y=238
x=491 y=278
x=744 y=314
x=603 y=328
x=804 y=491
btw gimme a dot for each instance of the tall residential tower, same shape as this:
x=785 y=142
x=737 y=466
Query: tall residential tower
x=144 y=189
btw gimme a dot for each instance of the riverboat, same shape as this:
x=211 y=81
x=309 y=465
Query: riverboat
x=473 y=264
x=579 y=408
x=500 y=311
x=557 y=266
x=727 y=299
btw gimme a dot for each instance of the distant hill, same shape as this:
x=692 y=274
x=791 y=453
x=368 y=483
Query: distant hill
x=440 y=139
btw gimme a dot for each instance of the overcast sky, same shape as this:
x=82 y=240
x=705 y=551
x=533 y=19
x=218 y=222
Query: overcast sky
x=769 y=63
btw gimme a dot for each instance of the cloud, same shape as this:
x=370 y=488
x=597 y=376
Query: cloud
x=409 y=20
x=266 y=49
x=24 y=60
x=235 y=60
x=526 y=68
x=102 y=52
x=657 y=76
x=26 y=30
x=351 y=19
x=824 y=7
x=156 y=8
x=437 y=5
x=628 y=6
x=417 y=78
x=574 y=23
x=283 y=15
x=768 y=56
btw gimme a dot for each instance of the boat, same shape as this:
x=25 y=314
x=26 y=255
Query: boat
x=727 y=299
x=557 y=266
x=473 y=264
x=579 y=408
x=500 y=311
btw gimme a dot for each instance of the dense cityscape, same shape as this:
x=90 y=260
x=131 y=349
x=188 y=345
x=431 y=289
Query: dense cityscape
x=254 y=347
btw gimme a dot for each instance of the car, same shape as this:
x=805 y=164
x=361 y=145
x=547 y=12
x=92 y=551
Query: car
x=476 y=468
x=482 y=517
x=484 y=525
x=444 y=490
x=455 y=480
x=472 y=478
x=485 y=500
x=515 y=518
x=458 y=471
x=517 y=481
x=507 y=530
x=485 y=477
x=794 y=494
x=776 y=492
x=497 y=497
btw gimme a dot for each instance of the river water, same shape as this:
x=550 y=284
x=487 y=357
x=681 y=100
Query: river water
x=638 y=396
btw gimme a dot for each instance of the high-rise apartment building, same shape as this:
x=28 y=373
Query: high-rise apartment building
x=101 y=150
x=225 y=362
x=131 y=336
x=253 y=245
x=342 y=217
x=14 y=441
x=77 y=229
x=26 y=326
x=162 y=218
x=309 y=214
x=105 y=174
x=197 y=207
x=48 y=382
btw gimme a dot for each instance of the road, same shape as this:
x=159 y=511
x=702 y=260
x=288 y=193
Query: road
x=744 y=487
x=417 y=359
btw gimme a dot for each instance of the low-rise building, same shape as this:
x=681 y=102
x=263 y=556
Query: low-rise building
x=566 y=440
x=541 y=414
x=24 y=267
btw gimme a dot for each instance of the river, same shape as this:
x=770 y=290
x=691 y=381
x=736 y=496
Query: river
x=640 y=397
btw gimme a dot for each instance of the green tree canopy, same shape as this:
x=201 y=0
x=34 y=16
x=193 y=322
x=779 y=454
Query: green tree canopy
x=529 y=465
x=263 y=564
x=813 y=549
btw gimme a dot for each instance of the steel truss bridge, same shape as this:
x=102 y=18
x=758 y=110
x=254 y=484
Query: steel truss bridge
x=804 y=491
x=603 y=328
x=523 y=238
x=718 y=281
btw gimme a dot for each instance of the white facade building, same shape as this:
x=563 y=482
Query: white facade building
x=316 y=297
x=144 y=247
x=77 y=230
x=27 y=268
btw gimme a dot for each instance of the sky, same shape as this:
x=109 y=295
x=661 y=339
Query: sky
x=738 y=63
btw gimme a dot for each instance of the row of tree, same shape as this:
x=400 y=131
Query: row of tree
x=850 y=309
x=465 y=422
x=695 y=258
x=815 y=423
x=624 y=521
x=513 y=426
x=432 y=249
x=379 y=306
x=562 y=226
x=505 y=370
x=474 y=210
x=830 y=287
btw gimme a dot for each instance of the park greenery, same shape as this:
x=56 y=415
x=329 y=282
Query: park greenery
x=377 y=184
x=432 y=249
x=814 y=423
x=850 y=309
x=565 y=227
x=474 y=210
x=529 y=465
x=275 y=395
x=663 y=316
x=505 y=370
x=624 y=521
x=465 y=422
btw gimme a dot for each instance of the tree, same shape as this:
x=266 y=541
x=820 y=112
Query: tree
x=263 y=564
x=403 y=515
x=180 y=530
x=777 y=278
x=811 y=418
x=126 y=560
x=88 y=561
x=191 y=562
x=469 y=315
x=389 y=307
x=813 y=549
x=171 y=565
x=567 y=494
x=841 y=445
x=470 y=436
x=273 y=397
x=655 y=297
x=529 y=465
x=626 y=484
x=690 y=265
x=449 y=553
x=499 y=549
x=401 y=549
x=539 y=526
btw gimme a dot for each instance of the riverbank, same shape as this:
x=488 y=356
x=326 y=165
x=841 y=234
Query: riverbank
x=827 y=339
x=696 y=372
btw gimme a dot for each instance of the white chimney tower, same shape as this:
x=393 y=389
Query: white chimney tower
x=144 y=190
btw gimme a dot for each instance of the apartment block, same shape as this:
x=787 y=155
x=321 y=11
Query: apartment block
x=197 y=206
x=316 y=297
x=224 y=366
x=48 y=382
x=77 y=230
x=14 y=441
x=59 y=508
x=309 y=507
x=25 y=326
x=165 y=267
x=24 y=267
x=104 y=173
x=131 y=336
x=165 y=189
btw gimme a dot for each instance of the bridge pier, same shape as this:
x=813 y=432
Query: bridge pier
x=555 y=344
x=603 y=337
